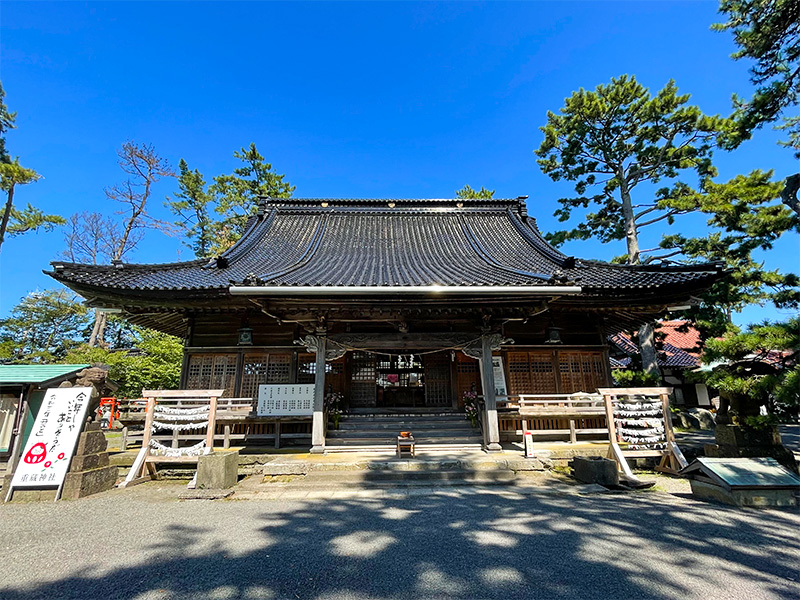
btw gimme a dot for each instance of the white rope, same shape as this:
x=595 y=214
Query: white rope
x=170 y=417
x=642 y=432
x=173 y=410
x=638 y=413
x=638 y=405
x=178 y=426
x=162 y=450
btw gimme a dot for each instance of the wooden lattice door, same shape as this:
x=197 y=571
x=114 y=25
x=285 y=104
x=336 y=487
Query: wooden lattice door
x=468 y=377
x=581 y=371
x=363 y=380
x=531 y=373
x=437 y=379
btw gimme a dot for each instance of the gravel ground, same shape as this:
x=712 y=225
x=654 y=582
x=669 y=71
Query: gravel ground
x=527 y=541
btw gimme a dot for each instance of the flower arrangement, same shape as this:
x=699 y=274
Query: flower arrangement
x=333 y=402
x=471 y=407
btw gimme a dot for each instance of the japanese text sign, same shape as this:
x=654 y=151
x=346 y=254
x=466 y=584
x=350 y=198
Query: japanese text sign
x=52 y=441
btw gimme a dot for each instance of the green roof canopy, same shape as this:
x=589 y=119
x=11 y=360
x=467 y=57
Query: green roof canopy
x=36 y=374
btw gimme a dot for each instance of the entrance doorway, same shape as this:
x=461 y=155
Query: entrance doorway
x=400 y=380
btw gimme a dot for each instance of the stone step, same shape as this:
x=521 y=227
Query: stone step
x=393 y=433
x=325 y=479
x=402 y=425
x=391 y=448
x=378 y=439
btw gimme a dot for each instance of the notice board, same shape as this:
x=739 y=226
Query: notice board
x=51 y=444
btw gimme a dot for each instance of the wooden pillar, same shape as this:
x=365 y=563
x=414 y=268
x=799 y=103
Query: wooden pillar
x=318 y=423
x=491 y=424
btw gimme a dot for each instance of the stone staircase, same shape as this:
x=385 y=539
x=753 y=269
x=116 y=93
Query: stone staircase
x=379 y=431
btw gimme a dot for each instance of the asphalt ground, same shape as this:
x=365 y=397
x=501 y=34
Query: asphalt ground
x=450 y=542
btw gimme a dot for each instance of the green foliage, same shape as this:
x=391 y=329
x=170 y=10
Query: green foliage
x=154 y=363
x=635 y=378
x=237 y=195
x=13 y=174
x=468 y=193
x=742 y=373
x=612 y=139
x=233 y=197
x=43 y=327
x=744 y=214
x=191 y=204
x=32 y=219
x=767 y=32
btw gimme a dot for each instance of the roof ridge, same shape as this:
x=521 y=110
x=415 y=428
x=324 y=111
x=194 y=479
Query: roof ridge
x=60 y=264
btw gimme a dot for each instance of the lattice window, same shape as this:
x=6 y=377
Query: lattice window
x=259 y=369
x=279 y=368
x=212 y=371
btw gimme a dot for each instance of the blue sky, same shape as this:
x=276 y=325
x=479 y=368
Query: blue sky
x=346 y=99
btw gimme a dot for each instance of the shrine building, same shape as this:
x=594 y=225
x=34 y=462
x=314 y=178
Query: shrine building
x=394 y=304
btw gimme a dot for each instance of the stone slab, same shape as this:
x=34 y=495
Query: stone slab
x=91 y=442
x=218 y=470
x=595 y=469
x=85 y=483
x=205 y=494
x=89 y=461
x=751 y=498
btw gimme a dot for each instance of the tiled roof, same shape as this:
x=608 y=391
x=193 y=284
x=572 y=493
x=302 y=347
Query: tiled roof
x=329 y=242
x=669 y=355
x=674 y=334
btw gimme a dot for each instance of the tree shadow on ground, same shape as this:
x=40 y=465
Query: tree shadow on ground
x=455 y=543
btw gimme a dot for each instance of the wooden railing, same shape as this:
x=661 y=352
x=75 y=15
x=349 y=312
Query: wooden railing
x=545 y=414
x=237 y=420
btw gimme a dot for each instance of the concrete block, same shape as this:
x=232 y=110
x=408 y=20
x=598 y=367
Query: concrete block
x=91 y=442
x=89 y=461
x=218 y=470
x=86 y=483
x=595 y=469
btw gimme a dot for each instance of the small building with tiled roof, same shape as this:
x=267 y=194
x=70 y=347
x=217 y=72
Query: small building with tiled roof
x=678 y=346
x=366 y=286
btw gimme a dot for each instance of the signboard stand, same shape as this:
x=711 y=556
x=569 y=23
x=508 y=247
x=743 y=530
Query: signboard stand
x=640 y=426
x=48 y=452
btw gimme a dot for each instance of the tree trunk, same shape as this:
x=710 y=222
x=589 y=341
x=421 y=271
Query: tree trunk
x=99 y=328
x=647 y=341
x=631 y=233
x=7 y=214
x=789 y=193
x=647 y=348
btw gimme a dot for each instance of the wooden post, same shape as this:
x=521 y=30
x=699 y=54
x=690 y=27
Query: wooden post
x=226 y=441
x=212 y=424
x=277 y=433
x=491 y=425
x=148 y=427
x=123 y=442
x=318 y=423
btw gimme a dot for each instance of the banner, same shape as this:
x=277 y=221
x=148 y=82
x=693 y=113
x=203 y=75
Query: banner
x=49 y=449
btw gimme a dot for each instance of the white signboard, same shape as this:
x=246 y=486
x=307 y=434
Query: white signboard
x=48 y=452
x=499 y=376
x=286 y=399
